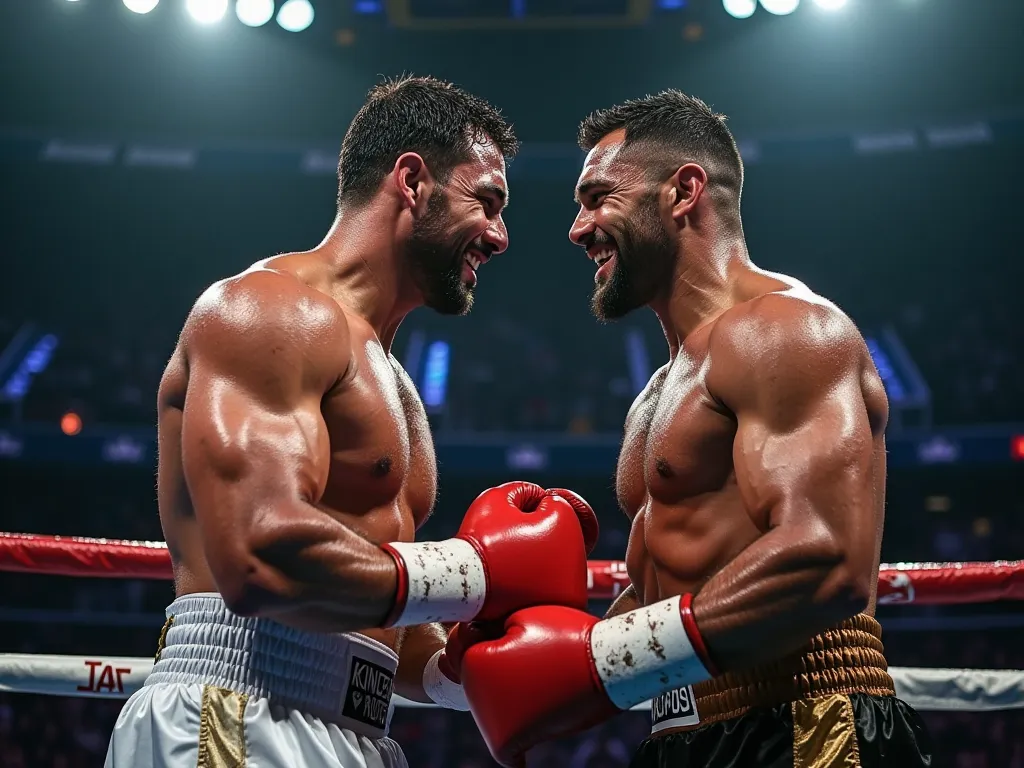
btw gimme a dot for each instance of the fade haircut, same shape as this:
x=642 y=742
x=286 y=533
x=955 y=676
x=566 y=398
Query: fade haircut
x=668 y=130
x=430 y=117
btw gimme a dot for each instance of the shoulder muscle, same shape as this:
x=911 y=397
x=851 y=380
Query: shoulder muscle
x=269 y=328
x=782 y=353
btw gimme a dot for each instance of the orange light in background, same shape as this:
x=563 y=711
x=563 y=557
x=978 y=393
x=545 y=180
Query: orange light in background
x=1017 y=447
x=70 y=423
x=693 y=32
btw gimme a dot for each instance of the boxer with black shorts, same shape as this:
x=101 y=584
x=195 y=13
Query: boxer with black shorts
x=753 y=470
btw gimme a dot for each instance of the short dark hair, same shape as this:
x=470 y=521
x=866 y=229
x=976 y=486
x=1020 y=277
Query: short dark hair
x=433 y=118
x=672 y=128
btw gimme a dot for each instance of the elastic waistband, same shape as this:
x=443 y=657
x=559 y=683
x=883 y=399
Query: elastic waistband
x=346 y=679
x=846 y=659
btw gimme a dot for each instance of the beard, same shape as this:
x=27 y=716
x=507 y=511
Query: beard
x=643 y=266
x=437 y=258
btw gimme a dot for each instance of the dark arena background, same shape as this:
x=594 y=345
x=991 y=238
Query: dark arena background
x=149 y=148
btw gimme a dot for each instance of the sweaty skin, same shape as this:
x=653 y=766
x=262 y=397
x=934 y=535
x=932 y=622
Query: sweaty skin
x=753 y=464
x=753 y=471
x=292 y=443
x=278 y=408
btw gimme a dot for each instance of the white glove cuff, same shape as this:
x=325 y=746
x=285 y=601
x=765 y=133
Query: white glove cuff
x=643 y=653
x=442 y=691
x=445 y=581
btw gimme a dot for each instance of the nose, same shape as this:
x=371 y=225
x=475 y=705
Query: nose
x=496 y=235
x=583 y=228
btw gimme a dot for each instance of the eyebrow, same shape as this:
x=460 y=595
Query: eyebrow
x=490 y=188
x=587 y=187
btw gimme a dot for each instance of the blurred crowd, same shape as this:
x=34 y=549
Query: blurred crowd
x=509 y=374
x=53 y=732
x=970 y=356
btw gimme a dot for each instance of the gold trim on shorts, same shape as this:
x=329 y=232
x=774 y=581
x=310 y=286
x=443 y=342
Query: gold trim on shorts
x=824 y=733
x=222 y=729
x=161 y=641
x=848 y=658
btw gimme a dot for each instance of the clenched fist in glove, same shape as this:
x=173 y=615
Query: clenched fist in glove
x=518 y=546
x=556 y=671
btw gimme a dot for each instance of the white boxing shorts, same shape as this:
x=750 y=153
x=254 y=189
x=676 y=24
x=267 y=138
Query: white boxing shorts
x=233 y=692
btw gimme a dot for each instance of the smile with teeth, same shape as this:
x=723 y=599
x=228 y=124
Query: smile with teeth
x=602 y=256
x=473 y=260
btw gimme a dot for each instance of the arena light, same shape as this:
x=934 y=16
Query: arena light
x=780 y=7
x=1017 y=448
x=254 y=13
x=435 y=375
x=140 y=6
x=295 y=15
x=740 y=9
x=70 y=423
x=830 y=5
x=207 y=11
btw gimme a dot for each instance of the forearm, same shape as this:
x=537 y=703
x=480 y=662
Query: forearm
x=624 y=603
x=419 y=644
x=774 y=596
x=312 y=572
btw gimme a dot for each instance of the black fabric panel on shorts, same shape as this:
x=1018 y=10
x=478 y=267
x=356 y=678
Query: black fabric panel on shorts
x=889 y=733
x=761 y=738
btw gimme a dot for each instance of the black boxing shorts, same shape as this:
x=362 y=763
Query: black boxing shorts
x=853 y=730
x=830 y=706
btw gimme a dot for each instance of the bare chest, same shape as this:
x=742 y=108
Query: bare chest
x=382 y=454
x=678 y=440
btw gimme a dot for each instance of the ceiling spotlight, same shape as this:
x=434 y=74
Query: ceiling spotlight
x=830 y=5
x=295 y=15
x=254 y=13
x=740 y=9
x=140 y=6
x=207 y=11
x=780 y=7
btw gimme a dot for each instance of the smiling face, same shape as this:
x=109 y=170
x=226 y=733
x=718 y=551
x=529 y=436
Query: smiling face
x=460 y=231
x=621 y=228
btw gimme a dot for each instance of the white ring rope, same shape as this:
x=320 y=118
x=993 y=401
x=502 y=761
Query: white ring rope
x=118 y=677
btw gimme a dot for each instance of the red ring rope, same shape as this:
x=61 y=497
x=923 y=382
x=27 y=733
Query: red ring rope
x=921 y=583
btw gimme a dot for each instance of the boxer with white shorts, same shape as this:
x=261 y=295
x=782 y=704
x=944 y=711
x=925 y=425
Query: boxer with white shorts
x=295 y=465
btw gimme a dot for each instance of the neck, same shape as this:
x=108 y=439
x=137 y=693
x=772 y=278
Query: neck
x=705 y=284
x=367 y=272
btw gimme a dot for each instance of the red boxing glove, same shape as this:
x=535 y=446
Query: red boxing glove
x=588 y=520
x=557 y=671
x=517 y=547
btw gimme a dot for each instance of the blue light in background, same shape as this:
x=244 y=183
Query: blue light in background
x=368 y=6
x=35 y=362
x=517 y=8
x=671 y=5
x=890 y=380
x=435 y=374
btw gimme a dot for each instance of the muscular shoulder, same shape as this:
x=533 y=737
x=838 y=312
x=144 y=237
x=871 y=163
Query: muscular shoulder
x=269 y=316
x=791 y=345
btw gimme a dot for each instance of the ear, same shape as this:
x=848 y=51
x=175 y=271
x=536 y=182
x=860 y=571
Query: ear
x=412 y=181
x=687 y=185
